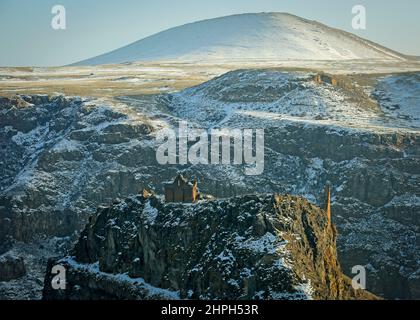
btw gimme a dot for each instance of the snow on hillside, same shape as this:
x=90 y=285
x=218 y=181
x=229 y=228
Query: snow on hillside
x=399 y=97
x=240 y=96
x=256 y=36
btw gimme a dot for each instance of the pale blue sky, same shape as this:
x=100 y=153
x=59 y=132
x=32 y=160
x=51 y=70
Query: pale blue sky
x=98 y=26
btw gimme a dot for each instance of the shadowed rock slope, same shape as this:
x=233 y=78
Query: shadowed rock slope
x=248 y=247
x=62 y=157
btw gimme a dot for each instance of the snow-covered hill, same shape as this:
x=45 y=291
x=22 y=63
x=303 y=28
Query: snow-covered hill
x=270 y=95
x=256 y=36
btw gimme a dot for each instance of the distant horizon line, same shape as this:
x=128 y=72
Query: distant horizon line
x=76 y=63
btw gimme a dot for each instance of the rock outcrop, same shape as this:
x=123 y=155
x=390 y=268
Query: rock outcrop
x=62 y=157
x=11 y=267
x=248 y=247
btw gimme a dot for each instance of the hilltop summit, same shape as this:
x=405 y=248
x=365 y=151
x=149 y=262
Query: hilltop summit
x=244 y=37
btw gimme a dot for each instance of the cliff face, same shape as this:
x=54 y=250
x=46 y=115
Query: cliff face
x=64 y=157
x=54 y=170
x=249 y=247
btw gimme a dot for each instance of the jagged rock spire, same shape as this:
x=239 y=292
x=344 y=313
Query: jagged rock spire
x=328 y=204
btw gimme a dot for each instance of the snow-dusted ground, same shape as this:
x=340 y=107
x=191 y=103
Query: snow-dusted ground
x=399 y=96
x=252 y=99
x=150 y=291
x=81 y=165
x=236 y=98
x=165 y=76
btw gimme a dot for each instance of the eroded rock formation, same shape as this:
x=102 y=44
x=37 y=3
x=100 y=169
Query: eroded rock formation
x=248 y=247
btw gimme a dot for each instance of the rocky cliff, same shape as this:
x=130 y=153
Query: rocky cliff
x=62 y=157
x=248 y=247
